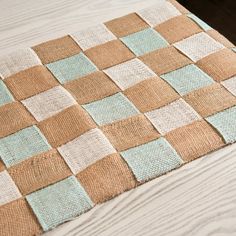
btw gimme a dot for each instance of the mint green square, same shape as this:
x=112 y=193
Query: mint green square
x=71 y=68
x=225 y=123
x=187 y=79
x=144 y=41
x=110 y=109
x=152 y=159
x=59 y=202
x=22 y=145
x=200 y=22
x=5 y=95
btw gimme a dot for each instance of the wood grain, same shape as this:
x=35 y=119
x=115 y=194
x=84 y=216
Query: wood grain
x=24 y=23
x=197 y=199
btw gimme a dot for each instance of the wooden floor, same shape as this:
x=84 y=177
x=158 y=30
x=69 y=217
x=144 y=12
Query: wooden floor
x=220 y=14
x=198 y=199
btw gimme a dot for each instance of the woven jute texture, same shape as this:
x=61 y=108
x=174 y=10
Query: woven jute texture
x=88 y=116
x=112 y=175
x=56 y=49
x=32 y=81
x=165 y=60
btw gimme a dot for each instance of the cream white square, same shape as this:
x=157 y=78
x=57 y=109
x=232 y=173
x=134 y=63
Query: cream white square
x=8 y=190
x=172 y=116
x=159 y=13
x=86 y=150
x=17 y=61
x=230 y=85
x=129 y=73
x=49 y=103
x=93 y=36
x=198 y=46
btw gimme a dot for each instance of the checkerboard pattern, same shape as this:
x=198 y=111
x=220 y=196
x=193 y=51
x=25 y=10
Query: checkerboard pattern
x=90 y=115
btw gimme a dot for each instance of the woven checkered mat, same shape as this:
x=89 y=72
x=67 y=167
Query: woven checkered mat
x=90 y=115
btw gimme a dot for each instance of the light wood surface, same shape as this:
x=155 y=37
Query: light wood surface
x=197 y=199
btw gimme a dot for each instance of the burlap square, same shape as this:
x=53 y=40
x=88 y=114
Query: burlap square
x=151 y=94
x=178 y=28
x=18 y=219
x=92 y=87
x=211 y=99
x=194 y=140
x=13 y=118
x=39 y=171
x=29 y=82
x=220 y=65
x=130 y=132
x=66 y=125
x=111 y=174
x=56 y=49
x=126 y=25
x=109 y=54
x=165 y=60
